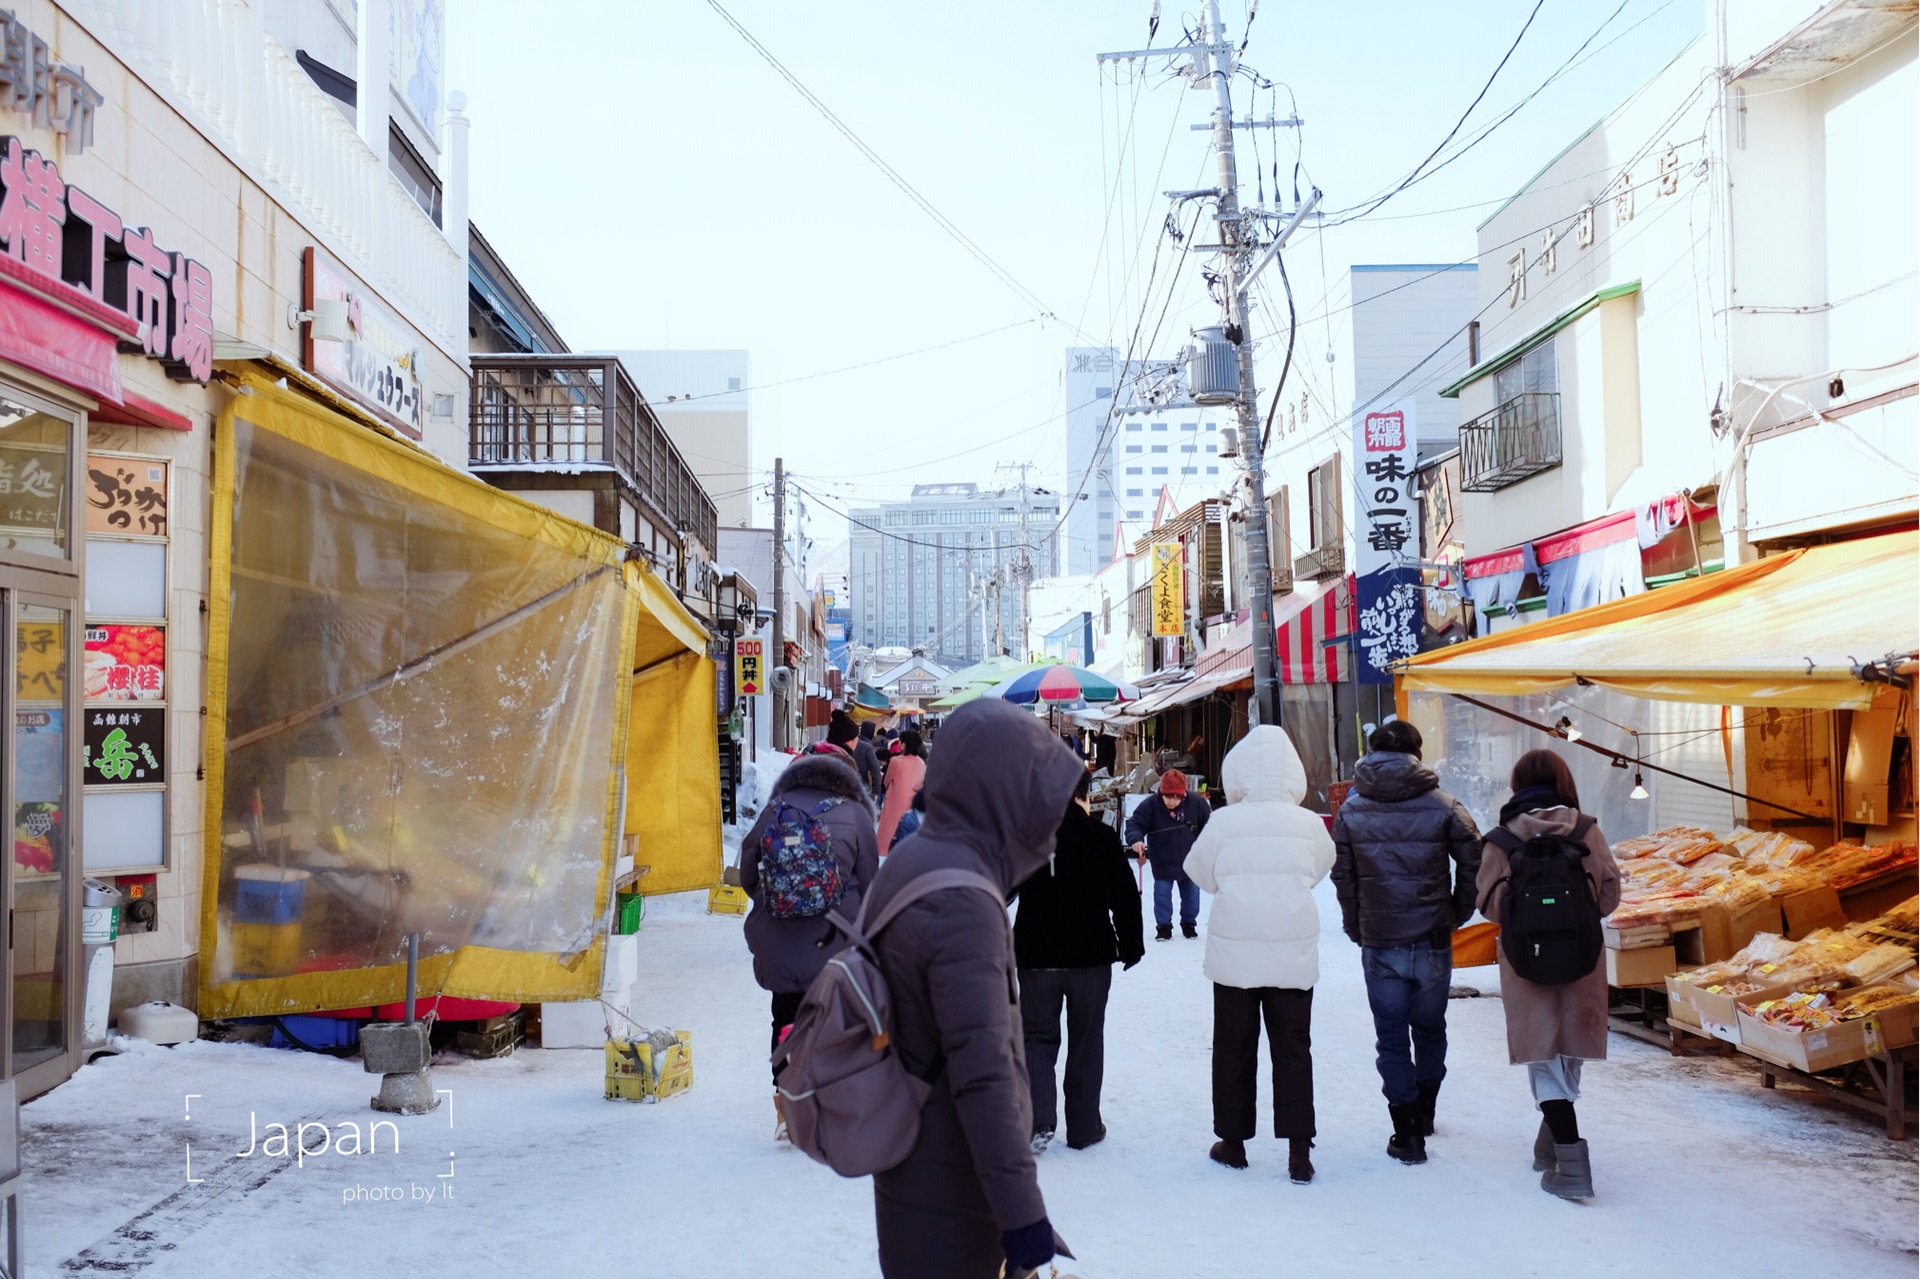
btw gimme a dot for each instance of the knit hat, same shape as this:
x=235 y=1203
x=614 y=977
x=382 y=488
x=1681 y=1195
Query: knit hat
x=1173 y=782
x=841 y=729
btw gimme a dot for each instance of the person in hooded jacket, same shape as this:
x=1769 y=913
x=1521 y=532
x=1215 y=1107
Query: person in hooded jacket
x=1260 y=857
x=866 y=763
x=789 y=953
x=1553 y=1030
x=1406 y=854
x=1162 y=830
x=1077 y=916
x=967 y=1200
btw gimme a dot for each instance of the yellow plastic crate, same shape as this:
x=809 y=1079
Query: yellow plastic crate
x=644 y=1070
x=725 y=899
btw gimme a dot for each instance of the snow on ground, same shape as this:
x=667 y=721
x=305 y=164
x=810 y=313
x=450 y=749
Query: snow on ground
x=1694 y=1163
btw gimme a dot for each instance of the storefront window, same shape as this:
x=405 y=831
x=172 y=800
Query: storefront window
x=35 y=502
x=40 y=850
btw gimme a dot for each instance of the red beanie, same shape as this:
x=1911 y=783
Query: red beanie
x=1174 y=782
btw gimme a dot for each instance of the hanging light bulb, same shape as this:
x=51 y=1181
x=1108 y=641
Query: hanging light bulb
x=1639 y=790
x=1566 y=729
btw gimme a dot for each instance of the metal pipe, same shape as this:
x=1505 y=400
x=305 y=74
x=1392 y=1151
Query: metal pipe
x=413 y=971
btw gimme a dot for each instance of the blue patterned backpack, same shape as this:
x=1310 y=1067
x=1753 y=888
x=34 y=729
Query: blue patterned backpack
x=799 y=875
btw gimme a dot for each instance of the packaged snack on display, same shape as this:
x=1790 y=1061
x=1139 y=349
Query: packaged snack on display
x=1879 y=963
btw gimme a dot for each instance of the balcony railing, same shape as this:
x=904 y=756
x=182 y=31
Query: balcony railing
x=581 y=412
x=1520 y=438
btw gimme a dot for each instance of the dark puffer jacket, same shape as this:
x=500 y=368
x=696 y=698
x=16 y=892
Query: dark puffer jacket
x=1168 y=832
x=1082 y=910
x=994 y=796
x=1393 y=841
x=789 y=953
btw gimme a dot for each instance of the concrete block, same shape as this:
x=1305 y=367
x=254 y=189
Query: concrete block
x=395 y=1048
x=409 y=1093
x=623 y=963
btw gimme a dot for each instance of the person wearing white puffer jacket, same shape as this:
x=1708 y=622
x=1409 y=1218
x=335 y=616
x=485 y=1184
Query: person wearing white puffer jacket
x=1259 y=858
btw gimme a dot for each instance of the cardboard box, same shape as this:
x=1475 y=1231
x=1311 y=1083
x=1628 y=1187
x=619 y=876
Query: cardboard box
x=1868 y=767
x=1634 y=937
x=1876 y=896
x=1723 y=931
x=1817 y=1050
x=1647 y=966
x=1710 y=1011
x=1810 y=911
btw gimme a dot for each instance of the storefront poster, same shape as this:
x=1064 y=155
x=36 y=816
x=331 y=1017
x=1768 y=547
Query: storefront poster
x=748 y=657
x=124 y=747
x=1169 y=591
x=126 y=663
x=126 y=495
x=43 y=662
x=33 y=486
x=1387 y=543
x=39 y=741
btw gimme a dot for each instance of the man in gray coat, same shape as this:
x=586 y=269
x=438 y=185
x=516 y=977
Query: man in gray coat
x=967 y=1199
x=1397 y=840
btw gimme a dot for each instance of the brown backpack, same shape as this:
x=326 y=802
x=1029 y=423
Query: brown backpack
x=848 y=1100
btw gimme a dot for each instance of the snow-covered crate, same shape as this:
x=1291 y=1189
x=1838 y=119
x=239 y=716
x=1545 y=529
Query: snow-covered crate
x=650 y=1067
x=724 y=899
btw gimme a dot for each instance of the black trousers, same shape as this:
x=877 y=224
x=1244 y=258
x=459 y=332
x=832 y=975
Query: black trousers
x=1236 y=1059
x=1084 y=992
x=786 y=1006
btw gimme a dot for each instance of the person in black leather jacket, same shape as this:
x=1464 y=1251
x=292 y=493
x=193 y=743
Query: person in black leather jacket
x=1405 y=857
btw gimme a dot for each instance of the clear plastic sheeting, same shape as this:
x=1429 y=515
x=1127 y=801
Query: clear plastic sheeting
x=423 y=700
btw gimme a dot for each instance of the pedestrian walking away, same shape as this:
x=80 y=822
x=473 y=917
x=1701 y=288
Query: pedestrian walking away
x=867 y=763
x=1553 y=1027
x=905 y=775
x=1261 y=857
x=817 y=796
x=1161 y=832
x=1077 y=916
x=1406 y=860
x=966 y=1201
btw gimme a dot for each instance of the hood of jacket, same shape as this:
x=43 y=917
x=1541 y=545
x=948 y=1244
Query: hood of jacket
x=1264 y=766
x=830 y=775
x=999 y=785
x=1393 y=777
x=1544 y=821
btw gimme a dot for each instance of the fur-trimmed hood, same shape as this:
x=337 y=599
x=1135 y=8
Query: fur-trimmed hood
x=826 y=775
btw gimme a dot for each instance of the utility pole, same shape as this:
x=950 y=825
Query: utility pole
x=777 y=694
x=1023 y=567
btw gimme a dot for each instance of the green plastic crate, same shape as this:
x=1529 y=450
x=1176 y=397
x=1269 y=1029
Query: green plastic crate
x=629 y=910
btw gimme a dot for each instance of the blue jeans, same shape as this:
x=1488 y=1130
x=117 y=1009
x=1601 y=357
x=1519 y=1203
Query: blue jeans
x=1163 y=900
x=1407 y=990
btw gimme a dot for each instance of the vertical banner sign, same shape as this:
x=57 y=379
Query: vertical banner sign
x=748 y=673
x=1169 y=591
x=1387 y=554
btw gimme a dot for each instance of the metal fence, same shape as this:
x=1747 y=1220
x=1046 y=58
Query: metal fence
x=1518 y=439
x=556 y=412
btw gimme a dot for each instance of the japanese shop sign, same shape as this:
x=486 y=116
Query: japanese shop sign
x=43 y=662
x=161 y=302
x=126 y=663
x=52 y=94
x=379 y=363
x=748 y=657
x=33 y=486
x=126 y=495
x=1387 y=550
x=124 y=747
x=1169 y=590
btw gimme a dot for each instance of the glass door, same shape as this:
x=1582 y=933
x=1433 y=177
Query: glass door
x=44 y=871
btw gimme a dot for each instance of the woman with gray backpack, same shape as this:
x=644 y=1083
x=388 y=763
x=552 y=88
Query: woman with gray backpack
x=1548 y=877
x=812 y=851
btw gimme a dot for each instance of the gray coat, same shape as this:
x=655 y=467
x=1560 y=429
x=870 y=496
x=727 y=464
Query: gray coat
x=1406 y=854
x=994 y=798
x=789 y=953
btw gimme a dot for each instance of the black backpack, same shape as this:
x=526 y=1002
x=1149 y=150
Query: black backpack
x=1549 y=919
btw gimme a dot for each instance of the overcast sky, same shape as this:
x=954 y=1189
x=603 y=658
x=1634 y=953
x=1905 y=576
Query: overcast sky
x=653 y=182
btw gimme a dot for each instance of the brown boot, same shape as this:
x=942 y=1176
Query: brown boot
x=1299 y=1160
x=1231 y=1153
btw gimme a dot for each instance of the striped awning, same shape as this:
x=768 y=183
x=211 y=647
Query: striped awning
x=1314 y=635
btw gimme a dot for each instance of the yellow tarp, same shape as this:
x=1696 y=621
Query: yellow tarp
x=1782 y=631
x=673 y=771
x=419 y=690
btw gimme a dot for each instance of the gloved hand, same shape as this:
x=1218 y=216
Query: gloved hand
x=1029 y=1247
x=1130 y=963
x=1353 y=935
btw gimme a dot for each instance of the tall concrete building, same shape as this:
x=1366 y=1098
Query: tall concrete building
x=921 y=571
x=1402 y=313
x=701 y=400
x=1128 y=451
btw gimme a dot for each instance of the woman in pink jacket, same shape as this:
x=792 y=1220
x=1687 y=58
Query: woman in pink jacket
x=904 y=775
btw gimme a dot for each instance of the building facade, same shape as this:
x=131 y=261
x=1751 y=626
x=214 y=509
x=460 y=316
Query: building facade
x=702 y=400
x=942 y=571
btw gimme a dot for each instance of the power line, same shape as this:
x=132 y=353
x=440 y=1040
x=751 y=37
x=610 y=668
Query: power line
x=850 y=368
x=926 y=206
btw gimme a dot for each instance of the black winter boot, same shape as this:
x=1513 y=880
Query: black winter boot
x=1429 y=1093
x=1571 y=1177
x=1300 y=1160
x=1163 y=932
x=1406 y=1144
x=1231 y=1153
x=1189 y=930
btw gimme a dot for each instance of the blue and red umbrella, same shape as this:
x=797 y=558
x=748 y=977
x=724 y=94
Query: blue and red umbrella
x=1061 y=684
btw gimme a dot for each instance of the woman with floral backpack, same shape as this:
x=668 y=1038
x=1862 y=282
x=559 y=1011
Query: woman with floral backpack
x=811 y=851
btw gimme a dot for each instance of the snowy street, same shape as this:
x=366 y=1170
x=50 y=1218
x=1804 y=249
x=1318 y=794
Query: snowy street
x=1692 y=1159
